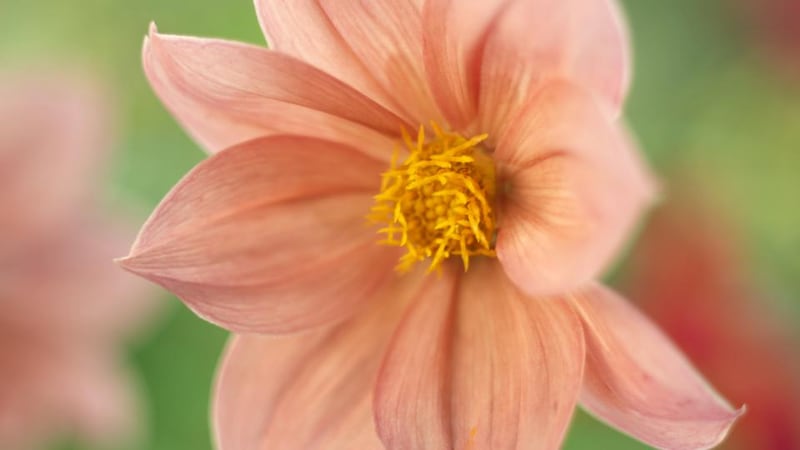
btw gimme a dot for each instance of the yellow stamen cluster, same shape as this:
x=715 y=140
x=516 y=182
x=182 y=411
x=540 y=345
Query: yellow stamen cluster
x=438 y=202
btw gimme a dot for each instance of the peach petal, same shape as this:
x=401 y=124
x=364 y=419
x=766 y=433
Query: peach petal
x=225 y=93
x=254 y=237
x=484 y=367
x=455 y=35
x=387 y=37
x=411 y=395
x=575 y=187
x=535 y=41
x=302 y=29
x=638 y=381
x=52 y=135
x=308 y=391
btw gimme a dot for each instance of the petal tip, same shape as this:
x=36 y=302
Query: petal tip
x=727 y=425
x=132 y=263
x=127 y=263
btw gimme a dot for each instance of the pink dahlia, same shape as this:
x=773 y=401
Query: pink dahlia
x=479 y=141
x=64 y=308
x=691 y=259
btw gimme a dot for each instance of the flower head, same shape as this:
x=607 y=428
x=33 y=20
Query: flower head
x=480 y=141
x=63 y=306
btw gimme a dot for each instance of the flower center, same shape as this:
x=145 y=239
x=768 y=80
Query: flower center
x=438 y=202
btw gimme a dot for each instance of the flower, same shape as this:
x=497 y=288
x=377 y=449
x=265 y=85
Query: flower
x=480 y=140
x=772 y=26
x=690 y=259
x=63 y=304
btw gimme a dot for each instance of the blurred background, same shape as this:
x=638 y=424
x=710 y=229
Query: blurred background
x=715 y=104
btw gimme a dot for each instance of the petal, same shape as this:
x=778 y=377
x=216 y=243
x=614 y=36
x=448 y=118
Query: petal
x=535 y=41
x=269 y=236
x=52 y=141
x=575 y=187
x=481 y=366
x=308 y=391
x=225 y=93
x=638 y=381
x=302 y=29
x=69 y=284
x=411 y=396
x=455 y=34
x=387 y=38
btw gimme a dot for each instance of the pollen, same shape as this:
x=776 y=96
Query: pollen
x=439 y=202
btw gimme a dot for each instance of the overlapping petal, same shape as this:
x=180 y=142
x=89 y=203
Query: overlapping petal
x=301 y=28
x=575 y=187
x=374 y=46
x=411 y=396
x=388 y=38
x=455 y=34
x=638 y=381
x=535 y=41
x=225 y=93
x=481 y=365
x=312 y=390
x=254 y=237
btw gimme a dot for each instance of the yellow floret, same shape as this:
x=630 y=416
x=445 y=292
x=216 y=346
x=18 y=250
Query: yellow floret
x=438 y=202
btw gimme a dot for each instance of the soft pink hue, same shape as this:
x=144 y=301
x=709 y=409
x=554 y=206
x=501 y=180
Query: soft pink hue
x=63 y=306
x=691 y=259
x=267 y=236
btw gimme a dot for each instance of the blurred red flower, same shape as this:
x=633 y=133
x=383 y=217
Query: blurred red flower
x=775 y=26
x=690 y=275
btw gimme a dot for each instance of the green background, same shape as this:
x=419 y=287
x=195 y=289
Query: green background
x=704 y=97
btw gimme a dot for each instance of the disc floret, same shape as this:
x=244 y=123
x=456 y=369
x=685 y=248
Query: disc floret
x=439 y=201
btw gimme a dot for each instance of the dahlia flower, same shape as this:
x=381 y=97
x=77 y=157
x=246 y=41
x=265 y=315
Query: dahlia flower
x=64 y=307
x=404 y=208
x=691 y=258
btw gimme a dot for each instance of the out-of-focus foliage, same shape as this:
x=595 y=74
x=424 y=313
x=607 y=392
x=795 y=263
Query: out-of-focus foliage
x=703 y=97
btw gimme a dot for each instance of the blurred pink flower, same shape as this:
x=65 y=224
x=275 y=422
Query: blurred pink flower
x=689 y=274
x=63 y=306
x=268 y=235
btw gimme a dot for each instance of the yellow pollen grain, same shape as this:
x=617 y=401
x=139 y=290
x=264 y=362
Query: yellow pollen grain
x=438 y=202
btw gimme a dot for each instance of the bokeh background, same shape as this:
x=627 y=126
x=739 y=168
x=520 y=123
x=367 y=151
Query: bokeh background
x=715 y=99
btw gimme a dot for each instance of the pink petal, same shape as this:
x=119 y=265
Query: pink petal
x=638 y=381
x=69 y=284
x=480 y=366
x=411 y=397
x=225 y=93
x=302 y=29
x=375 y=47
x=269 y=236
x=308 y=391
x=455 y=35
x=387 y=37
x=535 y=41
x=575 y=187
x=52 y=137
